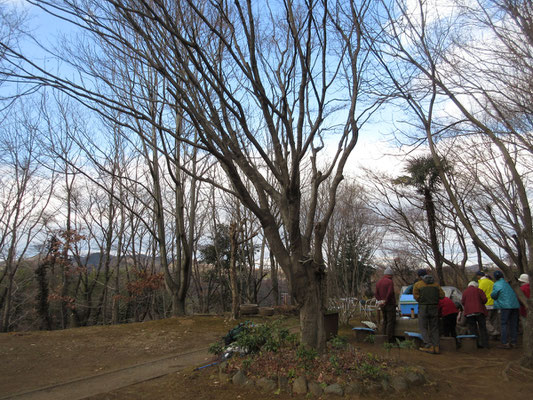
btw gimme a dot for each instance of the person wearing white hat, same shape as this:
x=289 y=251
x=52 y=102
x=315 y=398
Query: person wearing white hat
x=387 y=302
x=524 y=279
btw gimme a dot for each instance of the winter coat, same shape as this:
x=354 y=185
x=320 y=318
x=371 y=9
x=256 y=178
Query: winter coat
x=447 y=307
x=427 y=292
x=504 y=295
x=486 y=285
x=525 y=289
x=385 y=290
x=473 y=301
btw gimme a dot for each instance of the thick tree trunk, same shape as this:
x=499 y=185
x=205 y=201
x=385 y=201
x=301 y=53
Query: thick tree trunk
x=178 y=305
x=312 y=311
x=309 y=290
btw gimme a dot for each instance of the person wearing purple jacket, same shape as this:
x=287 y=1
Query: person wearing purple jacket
x=473 y=301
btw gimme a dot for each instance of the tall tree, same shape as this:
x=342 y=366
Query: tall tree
x=250 y=79
x=424 y=176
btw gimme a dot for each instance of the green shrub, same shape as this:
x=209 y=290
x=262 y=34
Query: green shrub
x=339 y=342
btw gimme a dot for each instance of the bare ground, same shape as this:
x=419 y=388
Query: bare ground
x=161 y=355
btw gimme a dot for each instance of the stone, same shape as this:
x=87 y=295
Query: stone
x=268 y=385
x=415 y=378
x=315 y=389
x=239 y=378
x=354 y=388
x=299 y=386
x=399 y=383
x=375 y=387
x=334 y=389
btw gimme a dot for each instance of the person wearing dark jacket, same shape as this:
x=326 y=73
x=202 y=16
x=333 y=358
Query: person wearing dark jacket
x=387 y=303
x=428 y=293
x=473 y=301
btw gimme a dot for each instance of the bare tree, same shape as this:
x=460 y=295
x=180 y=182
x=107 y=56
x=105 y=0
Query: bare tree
x=249 y=80
x=25 y=194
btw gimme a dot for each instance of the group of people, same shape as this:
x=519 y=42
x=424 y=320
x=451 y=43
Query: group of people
x=490 y=307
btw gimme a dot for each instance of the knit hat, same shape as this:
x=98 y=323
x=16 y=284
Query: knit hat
x=524 y=278
x=473 y=283
x=388 y=271
x=498 y=275
x=480 y=273
x=421 y=272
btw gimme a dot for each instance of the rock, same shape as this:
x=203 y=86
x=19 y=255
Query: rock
x=399 y=383
x=415 y=378
x=375 y=387
x=299 y=386
x=249 y=383
x=334 y=389
x=283 y=384
x=315 y=389
x=268 y=385
x=239 y=378
x=354 y=388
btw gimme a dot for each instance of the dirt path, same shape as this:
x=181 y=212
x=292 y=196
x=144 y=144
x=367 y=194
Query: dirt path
x=42 y=365
x=103 y=383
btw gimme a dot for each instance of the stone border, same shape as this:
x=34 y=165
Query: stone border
x=300 y=385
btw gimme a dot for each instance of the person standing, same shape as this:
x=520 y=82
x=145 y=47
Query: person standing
x=493 y=321
x=524 y=279
x=428 y=293
x=448 y=312
x=473 y=301
x=387 y=303
x=506 y=301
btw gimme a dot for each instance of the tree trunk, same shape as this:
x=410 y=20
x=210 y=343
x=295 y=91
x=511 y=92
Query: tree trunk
x=7 y=305
x=275 y=280
x=42 y=297
x=233 y=234
x=312 y=311
x=432 y=222
x=527 y=356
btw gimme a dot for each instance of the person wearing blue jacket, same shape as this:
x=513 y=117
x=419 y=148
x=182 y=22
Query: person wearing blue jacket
x=506 y=301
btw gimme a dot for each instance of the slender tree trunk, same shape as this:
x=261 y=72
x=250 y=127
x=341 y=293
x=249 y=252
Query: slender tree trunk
x=275 y=279
x=7 y=304
x=432 y=222
x=235 y=303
